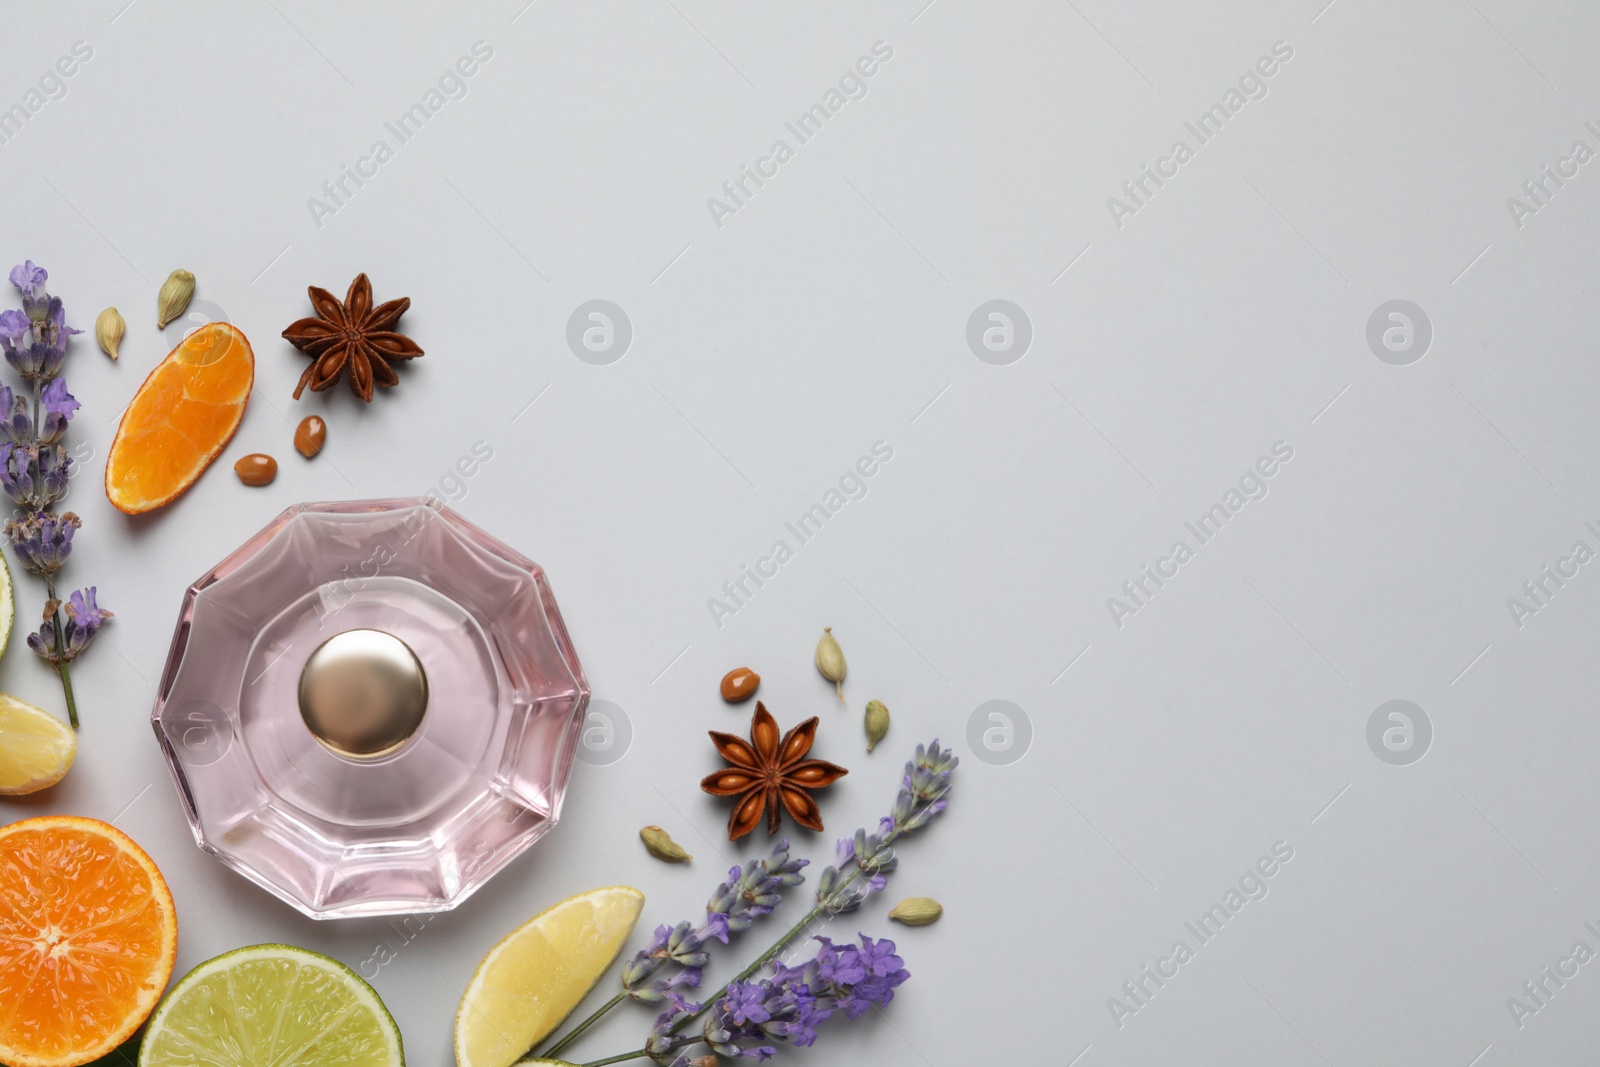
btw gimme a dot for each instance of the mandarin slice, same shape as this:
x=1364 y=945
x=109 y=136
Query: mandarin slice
x=88 y=936
x=181 y=418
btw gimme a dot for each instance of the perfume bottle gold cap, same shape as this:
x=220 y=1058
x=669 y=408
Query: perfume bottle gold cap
x=363 y=693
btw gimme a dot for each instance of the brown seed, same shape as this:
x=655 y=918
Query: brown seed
x=310 y=435
x=257 y=468
x=739 y=684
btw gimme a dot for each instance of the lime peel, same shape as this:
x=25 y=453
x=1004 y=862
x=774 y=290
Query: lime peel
x=276 y=1004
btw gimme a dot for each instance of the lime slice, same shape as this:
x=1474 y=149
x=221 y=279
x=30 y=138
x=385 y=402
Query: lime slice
x=8 y=604
x=271 y=1004
x=532 y=980
x=36 y=748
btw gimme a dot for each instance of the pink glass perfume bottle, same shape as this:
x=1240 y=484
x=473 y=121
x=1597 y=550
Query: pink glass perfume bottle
x=370 y=707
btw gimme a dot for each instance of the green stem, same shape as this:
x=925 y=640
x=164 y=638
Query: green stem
x=62 y=667
x=639 y=1055
x=555 y=1050
x=783 y=942
x=760 y=961
x=55 y=617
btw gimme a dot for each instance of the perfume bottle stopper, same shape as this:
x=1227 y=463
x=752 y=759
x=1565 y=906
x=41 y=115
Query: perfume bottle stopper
x=363 y=693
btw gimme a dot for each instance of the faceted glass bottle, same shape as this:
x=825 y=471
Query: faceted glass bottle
x=370 y=707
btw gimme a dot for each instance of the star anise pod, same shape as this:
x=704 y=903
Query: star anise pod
x=352 y=337
x=769 y=775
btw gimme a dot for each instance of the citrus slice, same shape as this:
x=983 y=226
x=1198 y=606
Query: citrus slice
x=36 y=748
x=180 y=419
x=87 y=939
x=532 y=980
x=8 y=604
x=271 y=1005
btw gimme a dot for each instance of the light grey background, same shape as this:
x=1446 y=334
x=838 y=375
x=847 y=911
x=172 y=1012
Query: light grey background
x=830 y=312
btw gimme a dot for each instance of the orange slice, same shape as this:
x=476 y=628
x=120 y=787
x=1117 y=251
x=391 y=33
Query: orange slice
x=88 y=936
x=180 y=419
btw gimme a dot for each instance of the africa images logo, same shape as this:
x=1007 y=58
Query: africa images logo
x=1251 y=887
x=738 y=591
x=1252 y=85
x=852 y=85
x=450 y=85
x=1252 y=486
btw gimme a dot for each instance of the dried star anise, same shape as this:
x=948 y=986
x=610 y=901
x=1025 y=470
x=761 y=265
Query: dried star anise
x=769 y=775
x=354 y=337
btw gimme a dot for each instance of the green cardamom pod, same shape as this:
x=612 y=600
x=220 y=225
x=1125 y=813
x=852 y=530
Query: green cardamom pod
x=830 y=661
x=173 y=299
x=877 y=723
x=109 y=328
x=661 y=845
x=916 y=911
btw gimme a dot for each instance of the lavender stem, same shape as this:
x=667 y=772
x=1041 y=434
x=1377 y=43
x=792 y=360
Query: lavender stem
x=579 y=1029
x=636 y=1055
x=62 y=668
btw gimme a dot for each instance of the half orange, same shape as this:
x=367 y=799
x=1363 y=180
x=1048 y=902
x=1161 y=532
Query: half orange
x=183 y=415
x=88 y=936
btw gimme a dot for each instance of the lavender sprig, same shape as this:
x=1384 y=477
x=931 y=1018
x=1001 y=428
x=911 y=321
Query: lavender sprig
x=35 y=468
x=790 y=1004
x=750 y=893
x=921 y=799
x=787 y=1007
x=675 y=955
x=923 y=796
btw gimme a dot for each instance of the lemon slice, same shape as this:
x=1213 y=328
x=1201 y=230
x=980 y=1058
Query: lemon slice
x=8 y=604
x=532 y=980
x=36 y=748
x=272 y=1004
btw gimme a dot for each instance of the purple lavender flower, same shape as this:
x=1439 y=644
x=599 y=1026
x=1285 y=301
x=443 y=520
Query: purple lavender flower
x=745 y=1004
x=32 y=475
x=37 y=355
x=883 y=972
x=670 y=944
x=791 y=1004
x=837 y=967
x=29 y=280
x=16 y=473
x=14 y=329
x=43 y=540
x=84 y=619
x=863 y=864
x=664 y=1042
x=750 y=892
x=55 y=469
x=877 y=957
x=29 y=277
x=58 y=407
x=15 y=422
x=35 y=467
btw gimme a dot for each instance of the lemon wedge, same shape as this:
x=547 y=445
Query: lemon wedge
x=543 y=969
x=36 y=748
